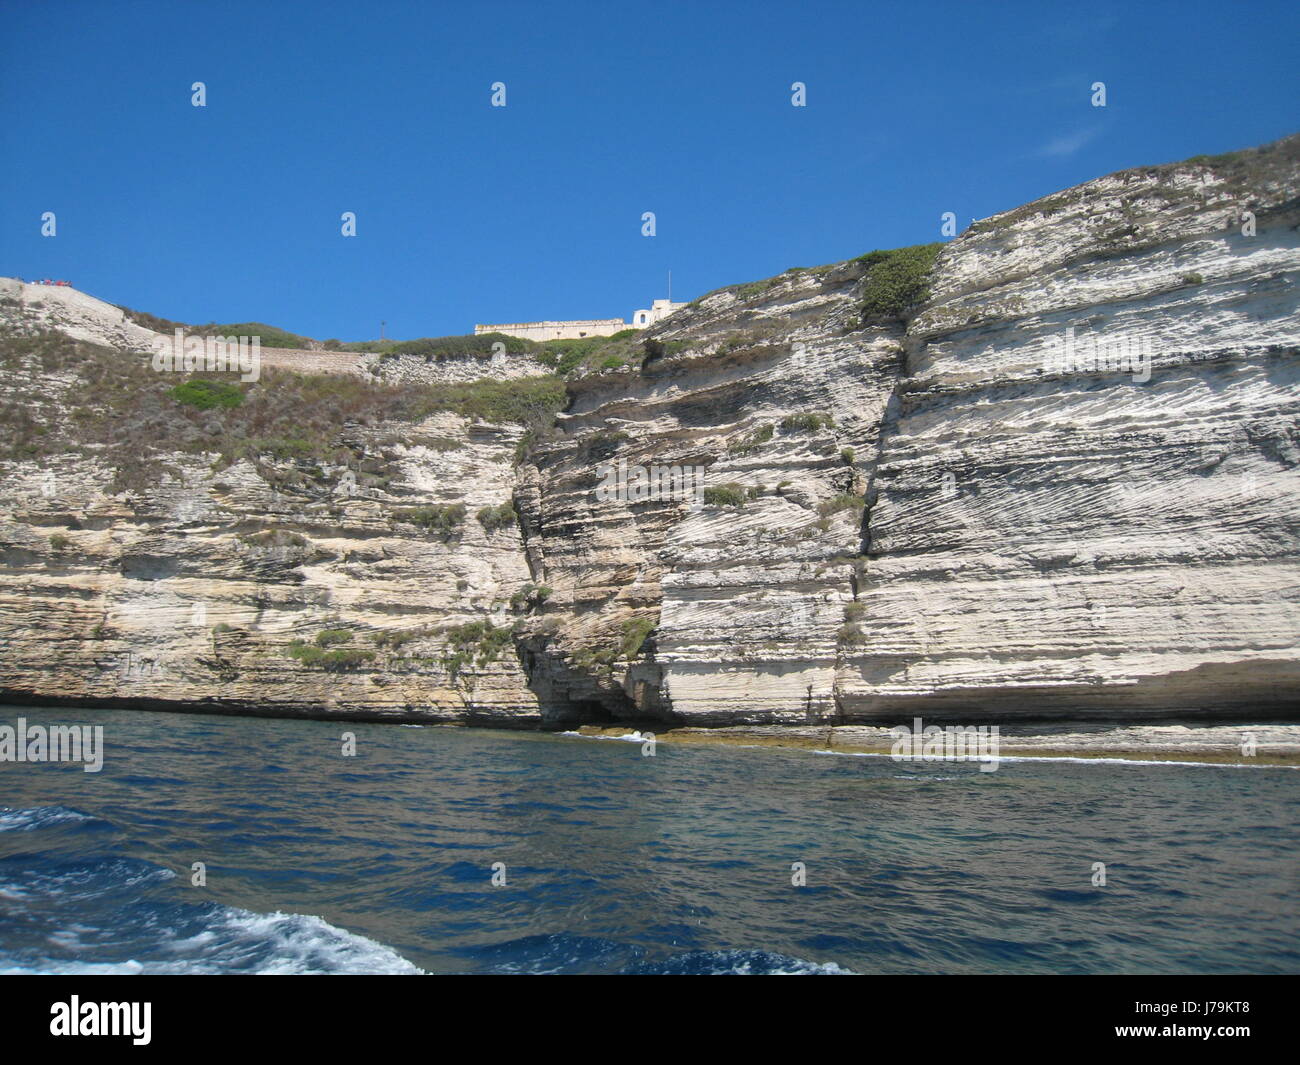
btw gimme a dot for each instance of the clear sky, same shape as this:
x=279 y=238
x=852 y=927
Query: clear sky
x=471 y=213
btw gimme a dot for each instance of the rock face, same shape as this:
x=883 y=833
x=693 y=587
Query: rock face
x=1066 y=482
x=192 y=594
x=1095 y=539
x=72 y=313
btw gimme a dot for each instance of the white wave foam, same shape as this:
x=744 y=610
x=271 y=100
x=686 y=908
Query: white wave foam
x=794 y=967
x=75 y=968
x=752 y=963
x=245 y=942
x=303 y=943
x=12 y=820
x=1061 y=758
x=630 y=737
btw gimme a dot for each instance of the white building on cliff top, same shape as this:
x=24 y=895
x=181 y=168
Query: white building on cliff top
x=589 y=327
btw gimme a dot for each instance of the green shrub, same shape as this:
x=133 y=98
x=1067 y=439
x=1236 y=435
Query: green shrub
x=807 y=423
x=635 y=631
x=850 y=634
x=525 y=400
x=443 y=443
x=328 y=637
x=752 y=442
x=844 y=501
x=530 y=595
x=205 y=395
x=395 y=639
x=442 y=520
x=333 y=661
x=1193 y=279
x=751 y=289
x=455 y=662
x=499 y=517
x=59 y=542
x=896 y=281
x=726 y=495
x=268 y=335
x=483 y=636
x=438 y=348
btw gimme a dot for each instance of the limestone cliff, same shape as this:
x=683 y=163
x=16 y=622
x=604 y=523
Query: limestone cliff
x=1050 y=468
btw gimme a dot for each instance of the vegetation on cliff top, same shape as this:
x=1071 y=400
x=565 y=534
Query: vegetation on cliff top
x=566 y=358
x=136 y=420
x=269 y=336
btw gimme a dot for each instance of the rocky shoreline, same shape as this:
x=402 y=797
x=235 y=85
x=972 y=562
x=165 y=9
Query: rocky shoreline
x=1274 y=744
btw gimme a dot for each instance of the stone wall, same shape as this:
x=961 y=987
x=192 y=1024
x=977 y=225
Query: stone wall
x=575 y=330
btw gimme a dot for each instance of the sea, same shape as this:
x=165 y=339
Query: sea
x=210 y=844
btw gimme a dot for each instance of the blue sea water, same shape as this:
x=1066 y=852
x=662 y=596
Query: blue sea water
x=620 y=863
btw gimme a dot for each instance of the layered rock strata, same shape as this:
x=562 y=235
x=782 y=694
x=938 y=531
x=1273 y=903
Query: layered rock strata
x=1065 y=483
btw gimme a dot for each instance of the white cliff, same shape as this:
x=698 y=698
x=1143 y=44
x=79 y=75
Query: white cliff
x=1060 y=478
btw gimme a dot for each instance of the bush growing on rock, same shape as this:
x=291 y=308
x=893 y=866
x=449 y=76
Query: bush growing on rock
x=851 y=634
x=843 y=501
x=498 y=517
x=395 y=639
x=530 y=595
x=483 y=636
x=207 y=395
x=726 y=495
x=333 y=661
x=896 y=281
x=807 y=423
x=751 y=443
x=635 y=631
x=328 y=637
x=444 y=520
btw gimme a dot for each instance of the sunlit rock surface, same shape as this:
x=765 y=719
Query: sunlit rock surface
x=1066 y=484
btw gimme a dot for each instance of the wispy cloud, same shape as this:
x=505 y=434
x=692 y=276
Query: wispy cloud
x=1069 y=143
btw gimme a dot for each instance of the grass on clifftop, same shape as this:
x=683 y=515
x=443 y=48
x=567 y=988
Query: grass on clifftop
x=565 y=358
x=269 y=336
x=62 y=396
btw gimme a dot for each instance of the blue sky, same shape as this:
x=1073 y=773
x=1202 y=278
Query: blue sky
x=468 y=213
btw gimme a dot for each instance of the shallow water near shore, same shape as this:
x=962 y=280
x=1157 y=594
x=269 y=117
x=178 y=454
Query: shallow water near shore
x=616 y=862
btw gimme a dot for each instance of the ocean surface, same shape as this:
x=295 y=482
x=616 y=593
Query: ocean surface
x=619 y=863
